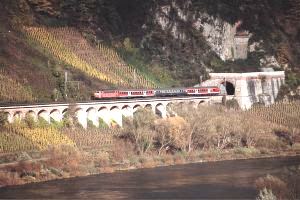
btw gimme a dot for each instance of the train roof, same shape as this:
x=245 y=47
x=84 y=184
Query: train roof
x=203 y=87
x=181 y=88
x=110 y=90
x=143 y=89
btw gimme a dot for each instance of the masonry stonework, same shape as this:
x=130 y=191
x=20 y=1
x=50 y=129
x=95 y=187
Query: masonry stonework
x=250 y=88
x=241 y=47
x=110 y=112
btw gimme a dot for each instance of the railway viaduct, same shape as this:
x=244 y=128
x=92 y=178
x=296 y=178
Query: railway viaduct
x=108 y=111
x=246 y=88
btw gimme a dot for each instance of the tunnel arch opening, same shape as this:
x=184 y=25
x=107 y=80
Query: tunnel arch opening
x=230 y=89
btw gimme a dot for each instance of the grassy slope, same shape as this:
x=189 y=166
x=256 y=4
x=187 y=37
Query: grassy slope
x=29 y=66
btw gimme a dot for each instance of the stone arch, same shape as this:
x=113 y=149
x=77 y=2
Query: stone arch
x=230 y=88
x=136 y=107
x=81 y=117
x=127 y=111
x=116 y=117
x=169 y=106
x=43 y=114
x=202 y=102
x=148 y=106
x=102 y=109
x=114 y=108
x=92 y=115
x=17 y=116
x=31 y=114
x=193 y=104
x=180 y=104
x=103 y=114
x=64 y=112
x=8 y=117
x=91 y=109
x=56 y=115
x=170 y=109
x=160 y=110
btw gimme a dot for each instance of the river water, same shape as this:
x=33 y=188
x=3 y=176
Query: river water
x=220 y=180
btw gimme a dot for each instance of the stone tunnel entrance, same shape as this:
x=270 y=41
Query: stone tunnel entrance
x=230 y=89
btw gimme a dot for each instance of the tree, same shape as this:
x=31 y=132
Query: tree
x=70 y=118
x=140 y=130
x=171 y=132
x=3 y=118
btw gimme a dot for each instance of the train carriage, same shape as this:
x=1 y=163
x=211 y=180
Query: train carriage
x=170 y=92
x=165 y=92
x=136 y=93
x=113 y=94
x=202 y=91
x=105 y=94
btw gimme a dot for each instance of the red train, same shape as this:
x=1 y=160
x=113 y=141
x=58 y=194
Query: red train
x=167 y=92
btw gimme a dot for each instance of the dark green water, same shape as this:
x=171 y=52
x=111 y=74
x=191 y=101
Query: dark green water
x=220 y=180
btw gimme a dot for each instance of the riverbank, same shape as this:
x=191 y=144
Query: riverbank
x=238 y=179
x=34 y=152
x=30 y=170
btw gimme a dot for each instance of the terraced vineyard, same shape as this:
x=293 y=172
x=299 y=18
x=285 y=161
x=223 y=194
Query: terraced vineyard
x=91 y=138
x=10 y=142
x=101 y=62
x=285 y=114
x=11 y=90
x=14 y=138
x=17 y=138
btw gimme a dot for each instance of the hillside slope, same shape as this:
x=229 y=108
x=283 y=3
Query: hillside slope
x=167 y=42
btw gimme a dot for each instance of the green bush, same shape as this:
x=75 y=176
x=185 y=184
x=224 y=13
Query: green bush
x=3 y=118
x=232 y=104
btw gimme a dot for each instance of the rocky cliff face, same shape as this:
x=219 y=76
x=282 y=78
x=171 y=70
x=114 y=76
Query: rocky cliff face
x=219 y=34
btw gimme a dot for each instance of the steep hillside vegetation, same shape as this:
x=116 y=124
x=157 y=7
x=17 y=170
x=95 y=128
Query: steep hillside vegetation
x=100 y=62
x=164 y=42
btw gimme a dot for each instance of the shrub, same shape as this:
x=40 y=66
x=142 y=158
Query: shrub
x=101 y=159
x=232 y=104
x=30 y=122
x=139 y=130
x=274 y=184
x=3 y=118
x=173 y=132
x=266 y=194
x=64 y=157
x=121 y=150
x=9 y=178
